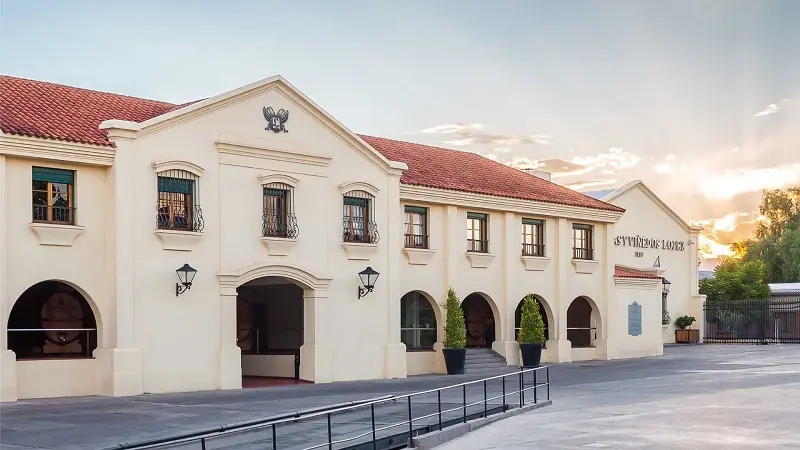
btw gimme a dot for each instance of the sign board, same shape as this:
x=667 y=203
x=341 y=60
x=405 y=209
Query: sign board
x=646 y=242
x=634 y=319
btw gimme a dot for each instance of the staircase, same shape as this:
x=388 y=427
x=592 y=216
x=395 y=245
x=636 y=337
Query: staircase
x=484 y=361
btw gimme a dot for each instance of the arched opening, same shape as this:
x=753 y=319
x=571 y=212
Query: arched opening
x=52 y=319
x=581 y=323
x=417 y=321
x=543 y=310
x=269 y=330
x=479 y=320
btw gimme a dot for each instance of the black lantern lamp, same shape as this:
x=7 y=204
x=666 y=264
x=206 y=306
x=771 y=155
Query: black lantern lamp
x=665 y=286
x=368 y=277
x=186 y=275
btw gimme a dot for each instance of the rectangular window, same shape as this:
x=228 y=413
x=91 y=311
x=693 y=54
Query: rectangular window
x=356 y=218
x=275 y=207
x=53 y=198
x=582 y=241
x=416 y=227
x=176 y=203
x=532 y=237
x=477 y=232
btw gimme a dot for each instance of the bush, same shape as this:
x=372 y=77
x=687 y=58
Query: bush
x=454 y=333
x=531 y=325
x=684 y=321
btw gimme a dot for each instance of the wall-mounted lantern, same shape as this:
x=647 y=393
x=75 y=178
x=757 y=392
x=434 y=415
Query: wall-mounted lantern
x=186 y=275
x=665 y=285
x=368 y=277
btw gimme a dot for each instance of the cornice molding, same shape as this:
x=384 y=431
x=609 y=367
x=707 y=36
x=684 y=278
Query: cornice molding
x=264 y=149
x=161 y=166
x=488 y=202
x=637 y=283
x=358 y=186
x=278 y=178
x=36 y=148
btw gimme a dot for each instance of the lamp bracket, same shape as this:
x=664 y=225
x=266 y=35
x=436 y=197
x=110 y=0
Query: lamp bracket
x=181 y=289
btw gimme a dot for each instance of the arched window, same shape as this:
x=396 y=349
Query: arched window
x=179 y=201
x=358 y=217
x=278 y=213
x=52 y=320
x=417 y=322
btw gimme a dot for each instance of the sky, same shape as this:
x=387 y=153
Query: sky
x=699 y=99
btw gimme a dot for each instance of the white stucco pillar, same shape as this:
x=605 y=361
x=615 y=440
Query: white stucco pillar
x=563 y=257
x=8 y=360
x=453 y=247
x=316 y=357
x=230 y=355
x=605 y=349
x=119 y=361
x=395 y=351
x=506 y=345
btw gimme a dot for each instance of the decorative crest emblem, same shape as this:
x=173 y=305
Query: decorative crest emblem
x=275 y=121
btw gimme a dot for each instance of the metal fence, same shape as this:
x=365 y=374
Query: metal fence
x=379 y=424
x=773 y=320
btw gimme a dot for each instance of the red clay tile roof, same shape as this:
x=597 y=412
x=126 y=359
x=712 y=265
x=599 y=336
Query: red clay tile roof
x=455 y=170
x=65 y=113
x=620 y=272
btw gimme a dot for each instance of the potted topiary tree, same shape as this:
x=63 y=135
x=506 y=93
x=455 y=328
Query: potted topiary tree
x=685 y=334
x=531 y=332
x=455 y=338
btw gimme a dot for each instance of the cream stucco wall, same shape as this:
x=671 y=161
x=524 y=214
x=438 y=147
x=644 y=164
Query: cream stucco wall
x=154 y=341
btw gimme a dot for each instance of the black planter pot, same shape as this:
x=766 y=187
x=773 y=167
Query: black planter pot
x=531 y=355
x=454 y=360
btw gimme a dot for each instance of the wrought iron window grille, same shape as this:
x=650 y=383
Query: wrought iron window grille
x=178 y=205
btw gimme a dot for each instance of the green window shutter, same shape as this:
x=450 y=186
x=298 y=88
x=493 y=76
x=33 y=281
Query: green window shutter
x=275 y=192
x=175 y=185
x=580 y=226
x=477 y=216
x=53 y=175
x=355 y=201
x=532 y=222
x=416 y=210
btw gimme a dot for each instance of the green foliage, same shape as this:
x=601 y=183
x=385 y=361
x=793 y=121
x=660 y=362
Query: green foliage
x=531 y=325
x=777 y=241
x=736 y=280
x=455 y=336
x=684 y=322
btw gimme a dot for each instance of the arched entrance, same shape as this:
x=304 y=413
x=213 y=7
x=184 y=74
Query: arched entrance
x=480 y=321
x=52 y=319
x=544 y=311
x=418 y=321
x=582 y=323
x=269 y=330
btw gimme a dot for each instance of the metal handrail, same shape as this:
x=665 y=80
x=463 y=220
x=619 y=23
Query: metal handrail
x=327 y=412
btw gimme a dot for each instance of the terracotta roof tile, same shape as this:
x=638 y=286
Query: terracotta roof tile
x=455 y=170
x=65 y=113
x=620 y=272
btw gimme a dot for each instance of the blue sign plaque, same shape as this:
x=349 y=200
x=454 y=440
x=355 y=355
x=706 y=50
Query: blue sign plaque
x=634 y=319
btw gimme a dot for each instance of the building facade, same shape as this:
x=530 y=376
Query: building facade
x=280 y=208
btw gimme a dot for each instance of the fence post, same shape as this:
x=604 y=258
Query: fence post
x=410 y=422
x=372 y=411
x=520 y=390
x=504 y=393
x=439 y=401
x=547 y=372
x=535 y=386
x=274 y=438
x=485 y=405
x=330 y=435
x=465 y=402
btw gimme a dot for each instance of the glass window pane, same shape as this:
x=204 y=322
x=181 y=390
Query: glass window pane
x=40 y=198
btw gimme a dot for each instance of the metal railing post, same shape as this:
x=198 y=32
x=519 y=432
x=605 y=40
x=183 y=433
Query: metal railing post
x=374 y=442
x=535 y=387
x=410 y=422
x=203 y=443
x=485 y=402
x=274 y=438
x=547 y=372
x=465 y=402
x=439 y=401
x=330 y=435
x=504 y=393
x=520 y=390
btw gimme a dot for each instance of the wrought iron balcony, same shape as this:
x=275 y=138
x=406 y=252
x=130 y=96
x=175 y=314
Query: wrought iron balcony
x=356 y=230
x=478 y=245
x=532 y=249
x=54 y=214
x=176 y=215
x=416 y=241
x=582 y=253
x=279 y=224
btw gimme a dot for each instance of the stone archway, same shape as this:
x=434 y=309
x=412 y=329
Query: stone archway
x=481 y=319
x=316 y=359
x=547 y=318
x=584 y=324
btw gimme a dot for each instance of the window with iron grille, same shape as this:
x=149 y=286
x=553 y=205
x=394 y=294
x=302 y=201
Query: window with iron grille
x=278 y=211
x=532 y=237
x=178 y=201
x=416 y=227
x=477 y=232
x=582 y=241
x=53 y=195
x=358 y=218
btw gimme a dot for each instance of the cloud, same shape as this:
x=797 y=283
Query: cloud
x=719 y=233
x=615 y=157
x=732 y=182
x=581 y=185
x=664 y=168
x=502 y=150
x=461 y=134
x=772 y=108
x=735 y=149
x=670 y=157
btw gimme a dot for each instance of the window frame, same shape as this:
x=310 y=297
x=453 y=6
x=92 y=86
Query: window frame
x=417 y=329
x=53 y=176
x=536 y=247
x=412 y=239
x=482 y=219
x=358 y=213
x=582 y=242
x=178 y=201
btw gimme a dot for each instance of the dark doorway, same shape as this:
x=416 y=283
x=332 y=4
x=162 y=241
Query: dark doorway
x=542 y=312
x=479 y=320
x=580 y=331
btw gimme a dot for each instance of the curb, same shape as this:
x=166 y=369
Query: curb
x=430 y=440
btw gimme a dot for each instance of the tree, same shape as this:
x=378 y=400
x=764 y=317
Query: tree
x=455 y=336
x=736 y=280
x=776 y=243
x=531 y=325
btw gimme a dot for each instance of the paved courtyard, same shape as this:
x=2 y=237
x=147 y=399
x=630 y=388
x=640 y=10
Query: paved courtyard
x=710 y=396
